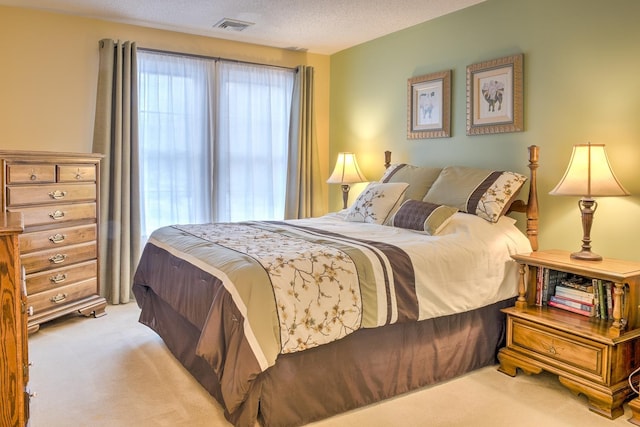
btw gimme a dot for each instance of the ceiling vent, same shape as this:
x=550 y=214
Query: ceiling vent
x=232 y=24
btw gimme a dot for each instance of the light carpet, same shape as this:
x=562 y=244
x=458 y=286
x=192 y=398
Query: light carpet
x=113 y=371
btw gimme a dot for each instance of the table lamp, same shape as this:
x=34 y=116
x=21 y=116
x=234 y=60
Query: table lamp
x=346 y=172
x=588 y=175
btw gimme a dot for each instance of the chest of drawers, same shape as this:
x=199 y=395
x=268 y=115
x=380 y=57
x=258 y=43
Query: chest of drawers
x=57 y=195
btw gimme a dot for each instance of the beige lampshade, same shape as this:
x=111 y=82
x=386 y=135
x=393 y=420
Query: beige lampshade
x=589 y=174
x=346 y=170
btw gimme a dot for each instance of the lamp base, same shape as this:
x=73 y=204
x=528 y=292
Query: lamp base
x=586 y=256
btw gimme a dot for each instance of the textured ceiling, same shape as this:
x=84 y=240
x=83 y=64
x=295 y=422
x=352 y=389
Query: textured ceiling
x=319 y=26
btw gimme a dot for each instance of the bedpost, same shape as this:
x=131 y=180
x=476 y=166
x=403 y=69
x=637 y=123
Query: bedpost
x=387 y=159
x=532 y=202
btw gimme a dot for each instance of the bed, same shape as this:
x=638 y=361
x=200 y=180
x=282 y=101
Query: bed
x=289 y=322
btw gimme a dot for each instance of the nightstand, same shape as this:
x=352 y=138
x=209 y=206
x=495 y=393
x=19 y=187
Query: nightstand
x=592 y=354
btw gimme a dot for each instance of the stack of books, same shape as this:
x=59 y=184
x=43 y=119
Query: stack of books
x=578 y=294
x=575 y=295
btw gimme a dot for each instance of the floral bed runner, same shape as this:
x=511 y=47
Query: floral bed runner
x=322 y=286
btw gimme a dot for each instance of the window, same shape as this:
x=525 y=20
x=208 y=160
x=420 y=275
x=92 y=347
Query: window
x=213 y=139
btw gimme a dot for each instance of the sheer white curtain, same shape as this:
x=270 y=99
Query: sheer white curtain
x=251 y=146
x=213 y=140
x=175 y=133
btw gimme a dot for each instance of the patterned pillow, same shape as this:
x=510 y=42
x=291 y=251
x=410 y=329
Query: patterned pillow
x=480 y=192
x=420 y=179
x=376 y=203
x=423 y=216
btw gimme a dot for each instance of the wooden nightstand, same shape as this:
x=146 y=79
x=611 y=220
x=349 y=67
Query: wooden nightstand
x=591 y=355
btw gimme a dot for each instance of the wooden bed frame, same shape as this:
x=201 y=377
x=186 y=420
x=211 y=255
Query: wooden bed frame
x=357 y=370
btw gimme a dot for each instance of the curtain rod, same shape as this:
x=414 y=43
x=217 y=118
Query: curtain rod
x=215 y=58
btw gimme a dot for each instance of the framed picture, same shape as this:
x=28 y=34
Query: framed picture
x=429 y=106
x=494 y=96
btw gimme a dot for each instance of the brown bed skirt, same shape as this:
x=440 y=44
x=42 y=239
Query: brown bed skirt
x=365 y=367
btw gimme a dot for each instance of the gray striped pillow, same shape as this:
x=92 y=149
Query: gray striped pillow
x=480 y=192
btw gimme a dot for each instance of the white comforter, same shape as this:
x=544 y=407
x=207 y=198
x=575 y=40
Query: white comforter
x=466 y=266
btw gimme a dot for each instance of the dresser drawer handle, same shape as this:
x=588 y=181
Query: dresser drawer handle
x=58 y=298
x=33 y=176
x=57 y=195
x=56 y=215
x=57 y=238
x=57 y=258
x=58 y=278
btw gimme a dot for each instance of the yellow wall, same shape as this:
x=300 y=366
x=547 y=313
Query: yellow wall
x=582 y=84
x=49 y=67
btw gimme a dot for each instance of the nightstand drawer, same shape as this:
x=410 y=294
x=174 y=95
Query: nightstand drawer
x=565 y=351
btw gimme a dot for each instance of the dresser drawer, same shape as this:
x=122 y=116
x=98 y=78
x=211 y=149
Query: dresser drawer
x=54 y=214
x=20 y=174
x=565 y=351
x=45 y=260
x=49 y=193
x=61 y=296
x=59 y=237
x=57 y=277
x=76 y=173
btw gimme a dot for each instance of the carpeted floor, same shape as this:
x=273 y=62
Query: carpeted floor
x=113 y=371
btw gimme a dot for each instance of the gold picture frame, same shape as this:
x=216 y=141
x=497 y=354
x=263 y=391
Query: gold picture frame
x=429 y=106
x=495 y=96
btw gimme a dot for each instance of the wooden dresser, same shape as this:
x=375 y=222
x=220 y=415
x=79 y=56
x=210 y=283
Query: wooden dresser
x=57 y=193
x=14 y=365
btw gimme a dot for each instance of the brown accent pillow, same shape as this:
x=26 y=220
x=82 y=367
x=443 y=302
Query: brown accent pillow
x=423 y=216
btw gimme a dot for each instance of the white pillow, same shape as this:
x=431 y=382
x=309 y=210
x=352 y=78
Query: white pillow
x=377 y=202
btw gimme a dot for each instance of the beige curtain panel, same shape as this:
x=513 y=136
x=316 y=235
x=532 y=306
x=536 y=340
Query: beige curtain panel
x=116 y=136
x=304 y=190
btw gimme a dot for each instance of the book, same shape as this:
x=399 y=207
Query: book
x=596 y=297
x=571 y=309
x=608 y=286
x=574 y=293
x=602 y=296
x=539 y=280
x=545 y=286
x=578 y=282
x=575 y=304
x=551 y=279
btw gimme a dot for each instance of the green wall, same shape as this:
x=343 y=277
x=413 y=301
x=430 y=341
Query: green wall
x=581 y=83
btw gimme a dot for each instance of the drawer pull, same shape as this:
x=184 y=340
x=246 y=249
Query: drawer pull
x=58 y=298
x=33 y=176
x=30 y=310
x=56 y=215
x=78 y=174
x=58 y=278
x=57 y=238
x=57 y=195
x=551 y=349
x=57 y=258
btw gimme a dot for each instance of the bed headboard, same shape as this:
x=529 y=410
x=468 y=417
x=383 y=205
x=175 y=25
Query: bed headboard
x=530 y=208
